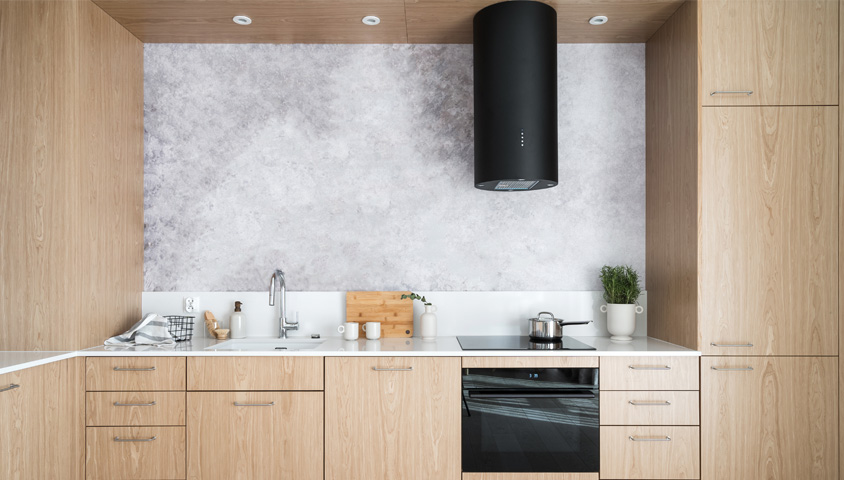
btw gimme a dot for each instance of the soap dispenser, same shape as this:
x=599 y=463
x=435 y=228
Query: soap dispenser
x=238 y=327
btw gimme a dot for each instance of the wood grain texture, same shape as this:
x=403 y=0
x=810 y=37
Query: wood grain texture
x=71 y=159
x=530 y=362
x=650 y=373
x=162 y=458
x=384 y=425
x=530 y=476
x=238 y=442
x=651 y=408
x=395 y=314
x=671 y=172
x=255 y=373
x=785 y=51
x=678 y=458
x=777 y=421
x=101 y=411
x=768 y=230
x=169 y=374
x=43 y=430
x=273 y=21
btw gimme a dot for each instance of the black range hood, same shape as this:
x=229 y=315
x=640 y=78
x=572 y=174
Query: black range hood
x=515 y=68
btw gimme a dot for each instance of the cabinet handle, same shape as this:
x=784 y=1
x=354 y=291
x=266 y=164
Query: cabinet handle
x=723 y=369
x=11 y=386
x=649 y=404
x=650 y=439
x=731 y=92
x=730 y=345
x=408 y=369
x=118 y=439
x=150 y=404
x=648 y=367
x=238 y=404
x=121 y=369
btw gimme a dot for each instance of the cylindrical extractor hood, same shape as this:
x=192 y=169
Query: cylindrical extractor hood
x=515 y=96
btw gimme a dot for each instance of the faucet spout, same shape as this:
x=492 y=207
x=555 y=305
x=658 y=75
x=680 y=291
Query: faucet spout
x=277 y=281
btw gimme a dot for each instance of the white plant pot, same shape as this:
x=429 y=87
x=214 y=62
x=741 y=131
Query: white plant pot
x=428 y=323
x=621 y=320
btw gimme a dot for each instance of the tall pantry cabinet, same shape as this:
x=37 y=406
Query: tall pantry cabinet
x=743 y=200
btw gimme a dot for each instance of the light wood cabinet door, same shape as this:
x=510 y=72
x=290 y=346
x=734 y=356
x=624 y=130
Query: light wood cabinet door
x=250 y=435
x=118 y=453
x=784 y=51
x=392 y=417
x=650 y=453
x=769 y=418
x=768 y=278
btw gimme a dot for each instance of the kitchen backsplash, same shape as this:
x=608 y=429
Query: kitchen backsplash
x=350 y=167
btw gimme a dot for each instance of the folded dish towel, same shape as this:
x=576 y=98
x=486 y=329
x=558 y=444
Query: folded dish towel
x=152 y=330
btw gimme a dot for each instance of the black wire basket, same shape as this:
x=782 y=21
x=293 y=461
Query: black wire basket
x=180 y=328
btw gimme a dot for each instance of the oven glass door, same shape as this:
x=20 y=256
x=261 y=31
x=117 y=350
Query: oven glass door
x=530 y=420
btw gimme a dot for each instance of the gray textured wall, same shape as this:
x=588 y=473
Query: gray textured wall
x=351 y=168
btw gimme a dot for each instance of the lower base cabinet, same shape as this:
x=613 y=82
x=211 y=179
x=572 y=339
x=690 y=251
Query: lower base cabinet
x=769 y=418
x=255 y=435
x=135 y=453
x=650 y=452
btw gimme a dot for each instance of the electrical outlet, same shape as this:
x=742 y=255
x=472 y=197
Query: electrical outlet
x=191 y=304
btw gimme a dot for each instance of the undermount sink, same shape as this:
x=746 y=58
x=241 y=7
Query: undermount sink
x=268 y=344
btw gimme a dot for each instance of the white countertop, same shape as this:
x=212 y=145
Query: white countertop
x=336 y=346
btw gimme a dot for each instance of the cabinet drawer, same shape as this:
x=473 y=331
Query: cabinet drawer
x=255 y=373
x=650 y=452
x=650 y=408
x=134 y=373
x=135 y=452
x=650 y=373
x=134 y=408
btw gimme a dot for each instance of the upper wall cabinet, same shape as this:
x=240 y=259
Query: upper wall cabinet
x=783 y=51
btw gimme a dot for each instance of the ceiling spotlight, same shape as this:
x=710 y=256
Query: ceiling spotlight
x=371 y=20
x=242 y=20
x=598 y=20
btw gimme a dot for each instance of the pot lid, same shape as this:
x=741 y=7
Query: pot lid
x=549 y=318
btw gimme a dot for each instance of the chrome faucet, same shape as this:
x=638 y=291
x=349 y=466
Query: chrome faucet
x=283 y=324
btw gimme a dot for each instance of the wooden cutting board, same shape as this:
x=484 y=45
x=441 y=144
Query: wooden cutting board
x=395 y=314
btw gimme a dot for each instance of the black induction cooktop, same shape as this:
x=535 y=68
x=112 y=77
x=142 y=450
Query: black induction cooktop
x=515 y=342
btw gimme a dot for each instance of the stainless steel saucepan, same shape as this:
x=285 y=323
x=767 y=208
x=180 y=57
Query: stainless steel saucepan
x=546 y=327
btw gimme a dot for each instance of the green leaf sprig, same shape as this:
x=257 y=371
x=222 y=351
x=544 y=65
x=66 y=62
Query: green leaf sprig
x=621 y=284
x=414 y=296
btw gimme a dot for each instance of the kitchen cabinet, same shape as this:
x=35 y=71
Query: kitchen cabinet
x=255 y=373
x=135 y=453
x=783 y=51
x=391 y=418
x=769 y=418
x=644 y=452
x=41 y=429
x=247 y=435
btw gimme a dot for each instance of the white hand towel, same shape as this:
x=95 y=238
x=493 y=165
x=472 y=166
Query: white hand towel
x=152 y=330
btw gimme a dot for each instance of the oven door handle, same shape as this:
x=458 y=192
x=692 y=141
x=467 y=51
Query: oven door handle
x=529 y=393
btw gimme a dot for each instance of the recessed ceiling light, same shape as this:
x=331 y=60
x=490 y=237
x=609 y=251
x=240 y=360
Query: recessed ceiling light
x=242 y=20
x=598 y=20
x=371 y=20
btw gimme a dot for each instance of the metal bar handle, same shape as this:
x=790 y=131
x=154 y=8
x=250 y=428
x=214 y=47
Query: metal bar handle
x=408 y=369
x=648 y=367
x=649 y=439
x=729 y=345
x=118 y=439
x=649 y=404
x=122 y=369
x=11 y=386
x=722 y=369
x=731 y=92
x=238 y=404
x=150 y=404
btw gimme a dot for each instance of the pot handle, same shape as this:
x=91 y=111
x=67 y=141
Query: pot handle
x=545 y=313
x=603 y=309
x=563 y=324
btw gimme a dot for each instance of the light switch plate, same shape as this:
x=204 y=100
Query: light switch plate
x=191 y=304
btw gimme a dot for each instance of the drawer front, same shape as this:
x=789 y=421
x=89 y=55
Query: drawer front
x=134 y=373
x=650 y=452
x=650 y=408
x=650 y=373
x=255 y=373
x=104 y=409
x=135 y=452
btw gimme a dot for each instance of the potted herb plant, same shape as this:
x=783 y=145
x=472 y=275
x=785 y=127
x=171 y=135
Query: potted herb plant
x=621 y=292
x=428 y=320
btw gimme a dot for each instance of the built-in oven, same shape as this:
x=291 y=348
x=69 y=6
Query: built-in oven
x=530 y=420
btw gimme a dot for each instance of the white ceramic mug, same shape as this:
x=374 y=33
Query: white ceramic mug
x=373 y=330
x=349 y=330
